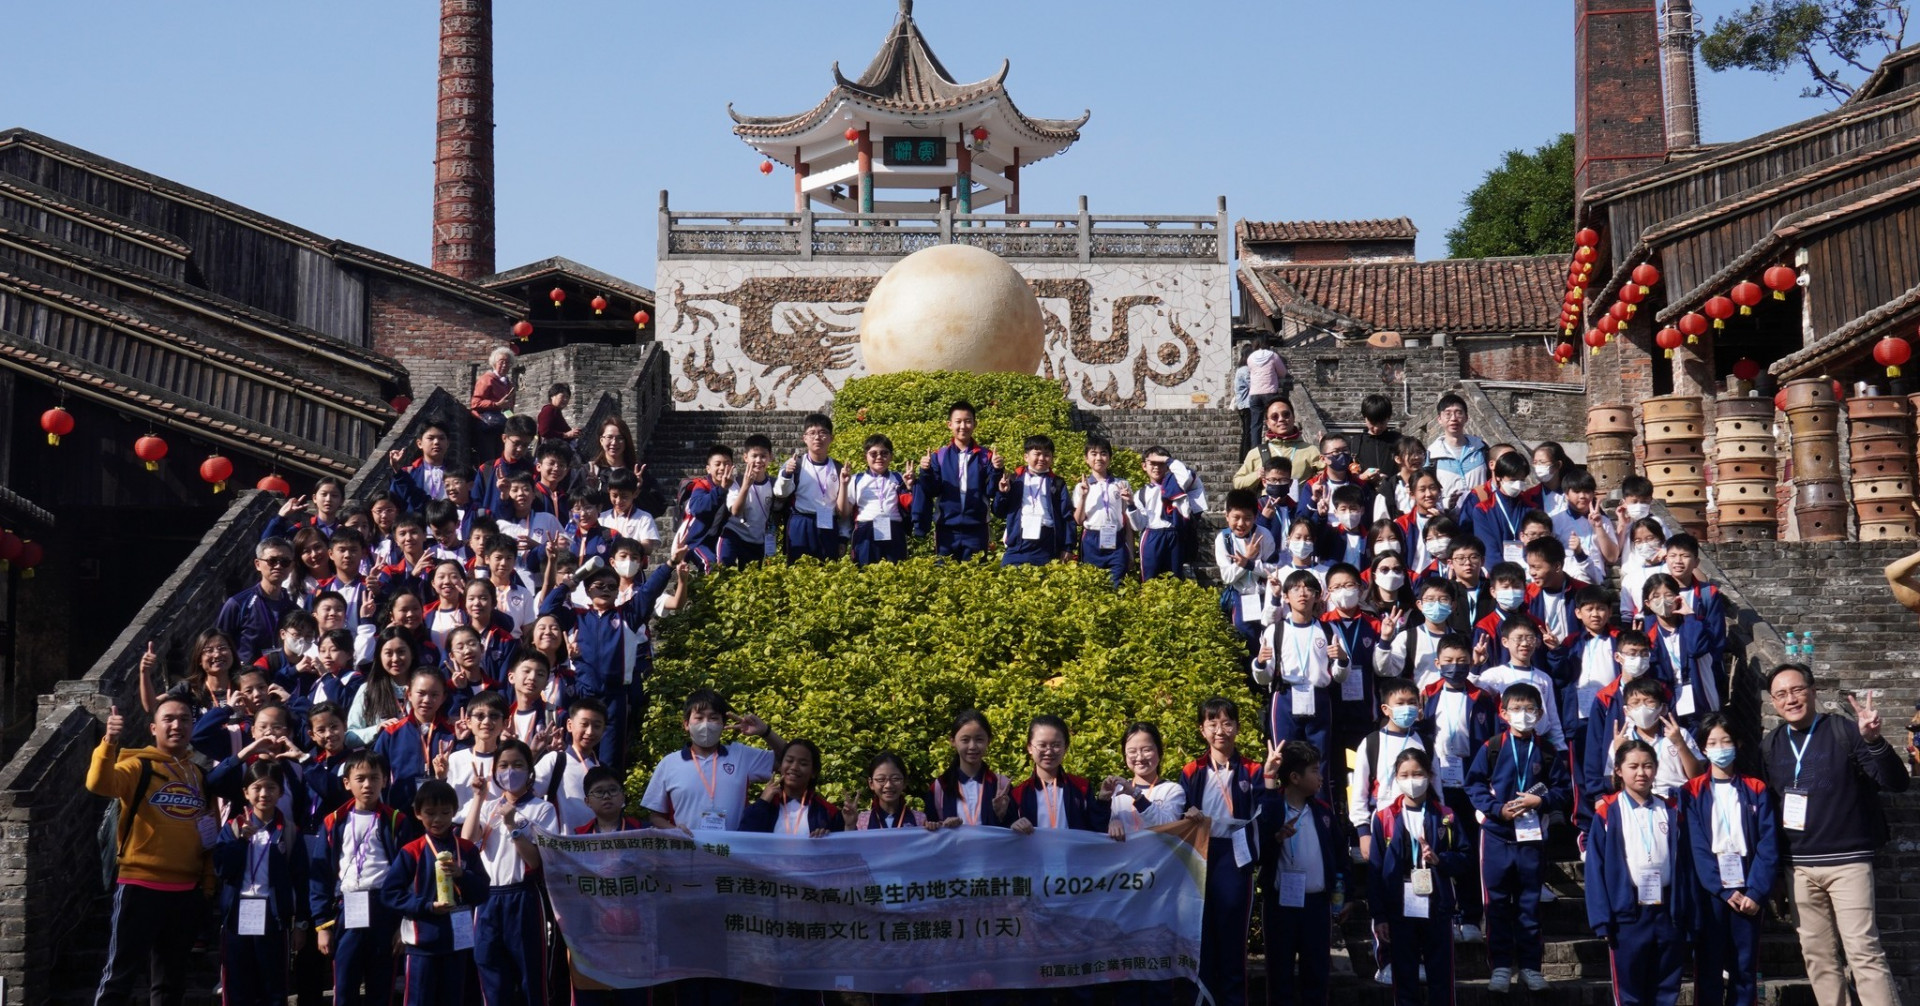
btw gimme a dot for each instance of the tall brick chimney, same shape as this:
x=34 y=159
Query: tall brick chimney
x=1619 y=114
x=463 y=151
x=1683 y=97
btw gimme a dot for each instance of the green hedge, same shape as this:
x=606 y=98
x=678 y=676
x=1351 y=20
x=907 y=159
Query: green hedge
x=863 y=660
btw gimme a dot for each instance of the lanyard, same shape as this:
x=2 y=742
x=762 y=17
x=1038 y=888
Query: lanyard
x=1349 y=630
x=1800 y=749
x=970 y=812
x=1051 y=799
x=1520 y=765
x=820 y=479
x=1646 y=829
x=1293 y=840
x=257 y=858
x=1302 y=651
x=709 y=784
x=1724 y=822
x=1500 y=503
x=1222 y=779
x=794 y=822
x=363 y=844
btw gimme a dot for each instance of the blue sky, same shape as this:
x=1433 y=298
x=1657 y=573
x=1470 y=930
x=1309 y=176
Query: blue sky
x=323 y=113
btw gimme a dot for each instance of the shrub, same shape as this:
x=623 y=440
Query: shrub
x=864 y=660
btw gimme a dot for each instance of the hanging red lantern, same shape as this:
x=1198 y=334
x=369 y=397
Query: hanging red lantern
x=1585 y=254
x=852 y=135
x=58 y=422
x=766 y=167
x=1621 y=311
x=1780 y=279
x=273 y=483
x=1586 y=238
x=1891 y=352
x=1669 y=339
x=1564 y=353
x=1780 y=400
x=1645 y=275
x=641 y=318
x=1576 y=295
x=150 y=449
x=599 y=304
x=558 y=296
x=1608 y=324
x=1746 y=293
x=1693 y=325
x=522 y=329
x=216 y=470
x=1839 y=391
x=1631 y=296
x=1746 y=369
x=1595 y=339
x=980 y=134
x=9 y=549
x=1719 y=309
x=30 y=556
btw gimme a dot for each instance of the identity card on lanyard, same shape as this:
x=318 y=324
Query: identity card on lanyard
x=823 y=513
x=1110 y=528
x=711 y=816
x=1793 y=808
x=1293 y=883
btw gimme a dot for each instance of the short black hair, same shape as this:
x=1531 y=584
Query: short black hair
x=1636 y=485
x=441 y=512
x=587 y=704
x=599 y=774
x=1449 y=401
x=1453 y=641
x=1390 y=688
x=1350 y=495
x=962 y=405
x=705 y=698
x=1521 y=690
x=368 y=757
x=759 y=440
x=816 y=420
x=1219 y=706
x=1242 y=499
x=1578 y=480
x=1515 y=624
x=555 y=448
x=435 y=793
x=1536 y=517
x=1096 y=442
x=1805 y=672
x=1549 y=549
x=1278 y=463
x=1376 y=408
x=521 y=426
x=1686 y=543
x=1645 y=684
x=719 y=451
x=559 y=388
x=1511 y=572
x=879 y=440
x=1297 y=757
x=1512 y=465
x=1037 y=442
x=1593 y=593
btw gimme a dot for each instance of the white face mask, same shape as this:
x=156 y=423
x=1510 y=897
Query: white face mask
x=1634 y=666
x=1392 y=580
x=704 y=734
x=1415 y=786
x=1387 y=546
x=1300 y=549
x=626 y=567
x=1639 y=511
x=1523 y=722
x=1644 y=717
x=1345 y=597
x=1661 y=606
x=1437 y=547
x=1645 y=551
x=1510 y=487
x=1347 y=519
x=1542 y=471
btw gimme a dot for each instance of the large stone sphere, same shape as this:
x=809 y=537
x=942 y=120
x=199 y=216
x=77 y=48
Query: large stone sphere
x=952 y=307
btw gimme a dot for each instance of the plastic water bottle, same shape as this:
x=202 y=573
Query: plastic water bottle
x=1806 y=647
x=1793 y=648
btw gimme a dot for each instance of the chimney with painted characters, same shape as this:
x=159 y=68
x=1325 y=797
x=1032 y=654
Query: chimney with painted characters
x=1619 y=110
x=463 y=152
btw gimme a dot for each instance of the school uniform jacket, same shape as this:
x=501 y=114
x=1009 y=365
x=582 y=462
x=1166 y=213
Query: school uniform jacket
x=1609 y=711
x=946 y=797
x=1319 y=824
x=1078 y=809
x=252 y=620
x=1393 y=856
x=491 y=476
x=406 y=747
x=408 y=486
x=611 y=641
x=1483 y=721
x=1494 y=778
x=585 y=545
x=1536 y=603
x=1249 y=780
x=223 y=782
x=1762 y=860
x=1359 y=636
x=704 y=506
x=219 y=735
x=872 y=819
x=1496 y=519
x=1566 y=662
x=320 y=774
x=412 y=887
x=764 y=817
x=286 y=873
x=940 y=495
x=1710 y=610
x=1698 y=660
x=896 y=486
x=1056 y=497
x=1612 y=899
x=393 y=829
x=1487 y=630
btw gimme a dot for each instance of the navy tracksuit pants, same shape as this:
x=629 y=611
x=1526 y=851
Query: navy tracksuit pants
x=1729 y=942
x=1161 y=552
x=365 y=956
x=1299 y=949
x=806 y=538
x=1223 y=930
x=1416 y=942
x=510 y=946
x=435 y=979
x=1466 y=885
x=1114 y=560
x=960 y=543
x=1317 y=730
x=253 y=969
x=868 y=550
x=734 y=553
x=1511 y=873
x=1647 y=956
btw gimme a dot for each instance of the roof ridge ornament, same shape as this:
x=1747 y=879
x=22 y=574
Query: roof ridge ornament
x=906 y=9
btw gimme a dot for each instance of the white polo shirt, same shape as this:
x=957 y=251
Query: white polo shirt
x=570 y=799
x=709 y=792
x=497 y=854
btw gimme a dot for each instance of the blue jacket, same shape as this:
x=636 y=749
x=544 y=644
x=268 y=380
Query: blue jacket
x=1497 y=520
x=1762 y=861
x=406 y=747
x=1697 y=656
x=488 y=479
x=286 y=873
x=1055 y=541
x=408 y=487
x=764 y=817
x=223 y=781
x=1609 y=711
x=586 y=546
x=1494 y=778
x=395 y=830
x=1079 y=810
x=412 y=888
x=1612 y=900
x=601 y=668
x=1243 y=791
x=1564 y=664
x=211 y=736
x=1710 y=610
x=1483 y=719
x=944 y=800
x=1392 y=857
x=704 y=505
x=252 y=620
x=937 y=494
x=1331 y=830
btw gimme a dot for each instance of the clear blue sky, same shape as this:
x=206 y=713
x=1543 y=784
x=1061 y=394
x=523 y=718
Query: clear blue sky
x=322 y=113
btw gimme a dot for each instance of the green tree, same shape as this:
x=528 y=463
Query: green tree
x=1829 y=38
x=1522 y=207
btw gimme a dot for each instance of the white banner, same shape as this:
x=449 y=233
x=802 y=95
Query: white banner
x=896 y=911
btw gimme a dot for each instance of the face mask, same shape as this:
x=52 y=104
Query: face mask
x=705 y=734
x=1523 y=722
x=1661 y=605
x=1386 y=547
x=1645 y=551
x=1403 y=716
x=1542 y=471
x=626 y=567
x=1634 y=666
x=1415 y=787
x=1639 y=511
x=1509 y=597
x=1340 y=462
x=1510 y=487
x=1276 y=490
x=511 y=779
x=1438 y=546
x=1348 y=520
x=1391 y=581
x=1345 y=597
x=1300 y=549
x=1722 y=757
x=1436 y=611
x=1644 y=717
x=1455 y=673
x=298 y=648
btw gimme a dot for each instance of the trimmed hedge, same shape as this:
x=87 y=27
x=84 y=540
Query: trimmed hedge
x=864 y=660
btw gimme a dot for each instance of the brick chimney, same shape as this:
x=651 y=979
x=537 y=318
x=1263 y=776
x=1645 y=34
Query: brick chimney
x=1619 y=115
x=463 y=151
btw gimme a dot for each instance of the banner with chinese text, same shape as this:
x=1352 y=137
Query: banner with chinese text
x=897 y=911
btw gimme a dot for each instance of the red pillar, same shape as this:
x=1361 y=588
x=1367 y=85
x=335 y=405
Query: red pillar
x=463 y=149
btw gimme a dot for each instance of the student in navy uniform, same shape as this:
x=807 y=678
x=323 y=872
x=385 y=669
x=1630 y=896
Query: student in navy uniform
x=1517 y=781
x=252 y=617
x=328 y=495
x=703 y=507
x=1509 y=582
x=352 y=855
x=1416 y=832
x=1278 y=509
x=887 y=781
x=1582 y=667
x=1683 y=650
x=412 y=746
x=414 y=485
x=956 y=489
x=969 y=793
x=1355 y=707
x=1730 y=833
x=436 y=935
x=1301 y=662
x=1051 y=798
x=500 y=818
x=1457 y=719
x=810 y=483
x=750 y=526
x=1638 y=889
x=1304 y=872
x=1100 y=505
x=878 y=502
x=1493 y=515
x=1244 y=556
x=1699 y=600
x=603 y=633
x=1410 y=651
x=1038 y=508
x=1221 y=787
x=607 y=797
x=586 y=536
x=1163 y=510
x=261 y=864
x=516 y=458
x=789 y=804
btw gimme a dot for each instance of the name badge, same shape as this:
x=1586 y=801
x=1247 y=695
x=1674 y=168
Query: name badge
x=823 y=518
x=1733 y=873
x=1109 y=537
x=768 y=543
x=1514 y=552
x=1353 y=687
x=1453 y=774
x=1650 y=890
x=1242 y=851
x=1683 y=703
x=1583 y=704
x=462 y=921
x=1293 y=889
x=1422 y=882
x=1526 y=827
x=1793 y=810
x=1303 y=700
x=713 y=820
x=1253 y=606
x=1413 y=904
x=882 y=529
x=253 y=916
x=357 y=910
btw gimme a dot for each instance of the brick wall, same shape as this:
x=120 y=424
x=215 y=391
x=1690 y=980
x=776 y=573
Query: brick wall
x=1340 y=374
x=1509 y=358
x=1619 y=113
x=441 y=339
x=1537 y=414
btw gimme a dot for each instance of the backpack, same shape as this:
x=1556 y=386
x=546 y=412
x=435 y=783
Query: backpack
x=116 y=829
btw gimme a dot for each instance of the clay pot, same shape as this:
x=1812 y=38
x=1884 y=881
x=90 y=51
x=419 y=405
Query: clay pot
x=1694 y=493
x=1767 y=531
x=1818 y=494
x=1609 y=419
x=1887 y=530
x=1808 y=391
x=1881 y=468
x=1807 y=423
x=1743 y=492
x=1747 y=470
x=1678 y=450
x=1827 y=523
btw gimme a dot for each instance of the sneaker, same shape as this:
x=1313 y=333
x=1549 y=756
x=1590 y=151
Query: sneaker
x=1501 y=980
x=1385 y=975
x=1467 y=932
x=1423 y=974
x=1547 y=894
x=1536 y=982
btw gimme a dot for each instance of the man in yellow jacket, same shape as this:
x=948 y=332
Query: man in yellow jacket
x=166 y=825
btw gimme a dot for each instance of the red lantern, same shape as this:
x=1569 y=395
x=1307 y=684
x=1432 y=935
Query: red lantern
x=1669 y=339
x=980 y=134
x=599 y=304
x=766 y=167
x=1780 y=279
x=1563 y=353
x=9 y=549
x=274 y=484
x=852 y=135
x=30 y=556
x=1693 y=325
x=1587 y=238
x=1719 y=309
x=1891 y=352
x=1576 y=295
x=1780 y=400
x=1645 y=275
x=150 y=449
x=641 y=318
x=1585 y=255
x=1839 y=391
x=558 y=296
x=1608 y=324
x=1621 y=311
x=522 y=329
x=58 y=423
x=1596 y=339
x=1746 y=369
x=216 y=470
x=400 y=403
x=1746 y=293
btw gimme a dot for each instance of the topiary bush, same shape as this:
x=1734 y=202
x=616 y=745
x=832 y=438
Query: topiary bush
x=881 y=658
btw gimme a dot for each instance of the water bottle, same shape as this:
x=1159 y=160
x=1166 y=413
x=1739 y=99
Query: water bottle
x=1339 y=894
x=1793 y=649
x=1806 y=647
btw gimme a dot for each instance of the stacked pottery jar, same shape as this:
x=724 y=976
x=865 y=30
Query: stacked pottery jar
x=1609 y=446
x=1675 y=429
x=1745 y=469
x=1819 y=496
x=1881 y=459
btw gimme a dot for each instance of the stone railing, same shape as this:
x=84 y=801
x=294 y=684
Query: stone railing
x=640 y=401
x=1073 y=237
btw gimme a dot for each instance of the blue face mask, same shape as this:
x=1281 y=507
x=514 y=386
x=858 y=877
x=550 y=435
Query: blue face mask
x=1509 y=598
x=1722 y=757
x=1436 y=611
x=1455 y=673
x=1403 y=716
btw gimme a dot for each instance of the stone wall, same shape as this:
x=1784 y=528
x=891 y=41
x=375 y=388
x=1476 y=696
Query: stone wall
x=1537 y=413
x=1339 y=374
x=784 y=334
x=441 y=339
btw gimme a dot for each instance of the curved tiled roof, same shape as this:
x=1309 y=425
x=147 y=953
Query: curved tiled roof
x=1398 y=229
x=1458 y=296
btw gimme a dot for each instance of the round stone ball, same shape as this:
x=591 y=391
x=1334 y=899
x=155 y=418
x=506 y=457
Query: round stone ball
x=952 y=307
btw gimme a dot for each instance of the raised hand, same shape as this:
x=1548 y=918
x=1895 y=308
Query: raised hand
x=1482 y=650
x=772 y=791
x=440 y=765
x=748 y=724
x=1867 y=716
x=792 y=466
x=1271 y=769
x=149 y=661
x=1677 y=736
x=116 y=724
x=293 y=505
x=394 y=457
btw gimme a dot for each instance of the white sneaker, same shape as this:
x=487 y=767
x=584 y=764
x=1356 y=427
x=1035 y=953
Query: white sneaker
x=1536 y=982
x=1467 y=932
x=1423 y=974
x=1547 y=894
x=1385 y=975
x=1500 y=981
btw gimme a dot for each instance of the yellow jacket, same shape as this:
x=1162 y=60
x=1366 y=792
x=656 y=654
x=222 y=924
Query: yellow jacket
x=164 y=845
